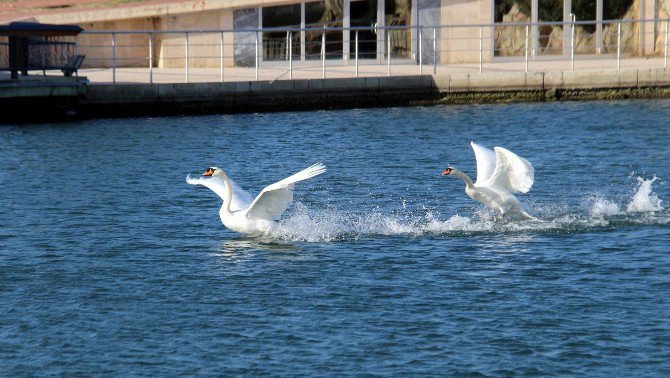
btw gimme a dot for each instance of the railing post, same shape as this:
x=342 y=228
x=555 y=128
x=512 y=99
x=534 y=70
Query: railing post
x=420 y=53
x=323 y=54
x=357 y=51
x=572 y=42
x=665 y=51
x=388 y=52
x=435 y=50
x=186 y=58
x=618 y=46
x=527 y=27
x=222 y=57
x=257 y=58
x=481 y=49
x=114 y=58
x=290 y=55
x=151 y=58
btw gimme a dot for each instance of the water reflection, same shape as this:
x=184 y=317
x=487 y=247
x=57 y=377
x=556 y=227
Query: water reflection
x=241 y=248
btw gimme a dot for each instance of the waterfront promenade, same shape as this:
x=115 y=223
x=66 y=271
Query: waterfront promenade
x=140 y=91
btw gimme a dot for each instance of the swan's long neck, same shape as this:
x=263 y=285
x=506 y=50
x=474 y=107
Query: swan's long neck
x=229 y=193
x=464 y=177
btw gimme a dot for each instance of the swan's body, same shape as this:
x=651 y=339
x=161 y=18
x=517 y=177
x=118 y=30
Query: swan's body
x=500 y=174
x=245 y=215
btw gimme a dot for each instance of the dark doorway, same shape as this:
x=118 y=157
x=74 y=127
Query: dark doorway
x=364 y=14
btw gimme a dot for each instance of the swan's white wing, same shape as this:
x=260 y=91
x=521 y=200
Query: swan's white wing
x=512 y=173
x=241 y=199
x=486 y=162
x=276 y=198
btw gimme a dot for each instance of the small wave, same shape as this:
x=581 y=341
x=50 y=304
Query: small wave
x=325 y=225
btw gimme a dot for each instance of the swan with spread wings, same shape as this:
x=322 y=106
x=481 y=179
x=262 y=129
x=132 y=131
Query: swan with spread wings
x=244 y=214
x=500 y=174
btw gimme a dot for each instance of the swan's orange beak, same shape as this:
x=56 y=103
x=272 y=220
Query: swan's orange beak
x=208 y=172
x=446 y=171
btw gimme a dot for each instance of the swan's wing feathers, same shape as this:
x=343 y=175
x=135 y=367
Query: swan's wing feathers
x=276 y=198
x=512 y=173
x=241 y=199
x=486 y=162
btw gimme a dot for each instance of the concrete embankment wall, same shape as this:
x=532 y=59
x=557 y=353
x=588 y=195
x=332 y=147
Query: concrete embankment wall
x=106 y=100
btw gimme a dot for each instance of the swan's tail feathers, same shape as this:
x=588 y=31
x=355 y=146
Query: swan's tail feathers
x=305 y=174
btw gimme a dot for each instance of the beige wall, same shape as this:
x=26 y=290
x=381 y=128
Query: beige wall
x=204 y=50
x=132 y=50
x=461 y=44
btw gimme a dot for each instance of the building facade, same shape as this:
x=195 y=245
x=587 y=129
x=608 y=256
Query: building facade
x=448 y=31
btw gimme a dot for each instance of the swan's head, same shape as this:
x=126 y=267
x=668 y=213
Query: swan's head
x=447 y=171
x=211 y=171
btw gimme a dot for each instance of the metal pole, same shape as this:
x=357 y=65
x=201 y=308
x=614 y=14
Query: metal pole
x=481 y=50
x=618 y=46
x=186 y=58
x=222 y=57
x=256 y=56
x=420 y=54
x=151 y=59
x=357 y=51
x=323 y=55
x=290 y=56
x=388 y=50
x=572 y=43
x=114 y=58
x=527 y=26
x=665 y=52
x=434 y=50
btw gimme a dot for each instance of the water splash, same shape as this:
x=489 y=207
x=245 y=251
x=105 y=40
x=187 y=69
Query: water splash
x=602 y=207
x=325 y=225
x=644 y=200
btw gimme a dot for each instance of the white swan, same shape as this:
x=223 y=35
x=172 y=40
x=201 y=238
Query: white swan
x=253 y=217
x=500 y=174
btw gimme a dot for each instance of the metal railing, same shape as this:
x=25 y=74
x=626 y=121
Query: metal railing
x=276 y=53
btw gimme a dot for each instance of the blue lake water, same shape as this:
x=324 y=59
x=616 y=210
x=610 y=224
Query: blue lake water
x=111 y=264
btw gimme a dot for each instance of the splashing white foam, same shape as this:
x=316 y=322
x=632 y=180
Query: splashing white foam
x=601 y=207
x=325 y=225
x=644 y=200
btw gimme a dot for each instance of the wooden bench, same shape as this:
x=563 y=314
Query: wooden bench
x=73 y=64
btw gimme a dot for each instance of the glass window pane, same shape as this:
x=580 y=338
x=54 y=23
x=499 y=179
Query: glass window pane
x=364 y=14
x=510 y=40
x=275 y=43
x=320 y=14
x=550 y=37
x=397 y=14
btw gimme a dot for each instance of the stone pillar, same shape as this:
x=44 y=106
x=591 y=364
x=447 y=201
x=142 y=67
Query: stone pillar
x=534 y=30
x=599 y=26
x=302 y=32
x=647 y=30
x=567 y=31
x=414 y=22
x=346 y=36
x=381 y=34
x=461 y=44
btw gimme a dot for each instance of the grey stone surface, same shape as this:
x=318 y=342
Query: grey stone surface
x=245 y=43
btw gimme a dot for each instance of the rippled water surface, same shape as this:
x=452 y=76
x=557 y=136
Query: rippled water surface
x=111 y=264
